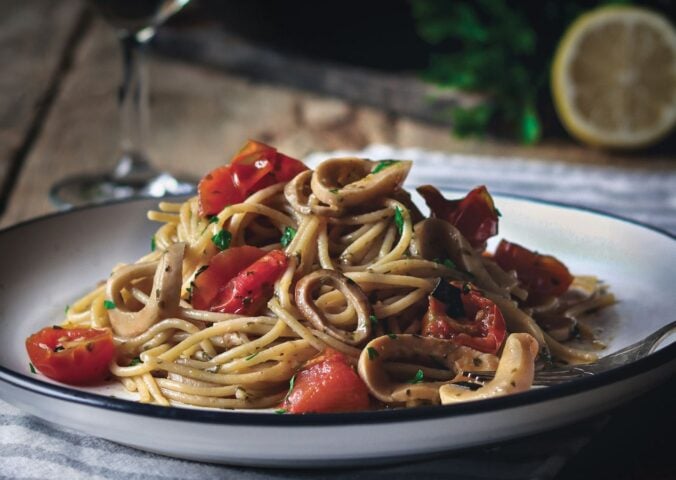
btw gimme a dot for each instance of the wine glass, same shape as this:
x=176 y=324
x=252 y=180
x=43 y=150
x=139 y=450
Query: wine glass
x=135 y=22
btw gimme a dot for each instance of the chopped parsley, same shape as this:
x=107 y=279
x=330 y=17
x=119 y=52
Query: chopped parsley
x=446 y=262
x=374 y=320
x=498 y=212
x=108 y=305
x=399 y=219
x=58 y=348
x=30 y=365
x=153 y=246
x=280 y=411
x=66 y=309
x=334 y=190
x=292 y=382
x=373 y=353
x=135 y=361
x=289 y=233
x=392 y=336
x=383 y=164
x=252 y=356
x=213 y=219
x=222 y=239
x=189 y=290
x=419 y=375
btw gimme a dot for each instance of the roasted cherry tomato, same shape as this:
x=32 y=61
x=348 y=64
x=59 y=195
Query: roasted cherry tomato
x=77 y=356
x=249 y=290
x=542 y=275
x=475 y=215
x=255 y=167
x=327 y=383
x=465 y=317
x=222 y=268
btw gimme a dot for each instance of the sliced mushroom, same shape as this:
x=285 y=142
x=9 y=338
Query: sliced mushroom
x=348 y=182
x=436 y=238
x=381 y=349
x=299 y=195
x=354 y=296
x=514 y=373
x=162 y=301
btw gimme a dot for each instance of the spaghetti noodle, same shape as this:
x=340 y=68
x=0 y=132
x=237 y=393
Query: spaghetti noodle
x=361 y=274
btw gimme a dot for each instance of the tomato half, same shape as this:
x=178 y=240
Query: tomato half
x=238 y=280
x=327 y=383
x=253 y=168
x=77 y=356
x=542 y=275
x=475 y=215
x=474 y=321
x=251 y=288
x=222 y=268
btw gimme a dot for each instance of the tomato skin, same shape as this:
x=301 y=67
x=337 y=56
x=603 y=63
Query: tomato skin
x=483 y=327
x=216 y=190
x=248 y=291
x=475 y=215
x=222 y=268
x=542 y=275
x=85 y=362
x=254 y=167
x=326 y=384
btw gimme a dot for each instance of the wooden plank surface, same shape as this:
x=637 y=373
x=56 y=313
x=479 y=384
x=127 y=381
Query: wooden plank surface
x=34 y=36
x=201 y=115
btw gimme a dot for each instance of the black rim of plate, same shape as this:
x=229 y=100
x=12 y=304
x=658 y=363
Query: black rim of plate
x=34 y=385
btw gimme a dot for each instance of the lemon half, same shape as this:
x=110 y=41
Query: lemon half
x=614 y=77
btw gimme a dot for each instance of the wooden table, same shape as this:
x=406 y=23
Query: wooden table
x=58 y=117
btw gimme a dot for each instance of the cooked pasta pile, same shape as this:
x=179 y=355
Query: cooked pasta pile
x=361 y=263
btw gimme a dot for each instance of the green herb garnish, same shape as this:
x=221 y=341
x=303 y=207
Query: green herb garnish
x=334 y=190
x=419 y=375
x=65 y=311
x=392 y=336
x=222 y=239
x=135 y=361
x=30 y=365
x=58 y=348
x=445 y=262
x=373 y=319
x=498 y=212
x=252 y=356
x=373 y=353
x=153 y=246
x=108 y=305
x=383 y=164
x=287 y=236
x=291 y=385
x=399 y=219
x=213 y=219
x=280 y=411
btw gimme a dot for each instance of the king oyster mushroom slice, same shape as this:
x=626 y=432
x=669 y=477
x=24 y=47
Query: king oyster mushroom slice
x=348 y=182
x=514 y=373
x=354 y=296
x=163 y=299
x=436 y=238
x=381 y=349
x=299 y=195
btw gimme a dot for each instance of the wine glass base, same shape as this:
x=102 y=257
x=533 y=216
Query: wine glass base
x=92 y=189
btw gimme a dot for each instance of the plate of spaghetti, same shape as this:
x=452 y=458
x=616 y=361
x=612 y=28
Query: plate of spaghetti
x=329 y=307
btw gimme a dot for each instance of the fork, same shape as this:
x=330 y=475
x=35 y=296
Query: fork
x=556 y=375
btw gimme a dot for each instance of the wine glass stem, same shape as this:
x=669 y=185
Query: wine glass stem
x=134 y=118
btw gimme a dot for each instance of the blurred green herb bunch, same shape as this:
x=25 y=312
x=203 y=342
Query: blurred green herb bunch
x=502 y=49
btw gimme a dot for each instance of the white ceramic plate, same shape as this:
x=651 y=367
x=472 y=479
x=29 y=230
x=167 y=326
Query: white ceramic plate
x=46 y=263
